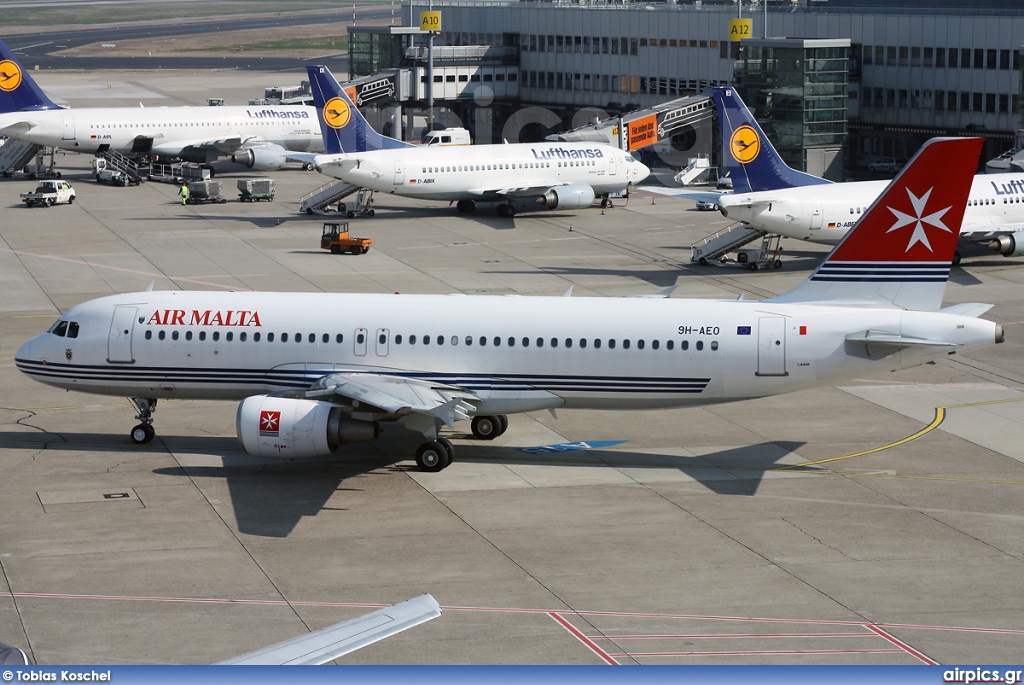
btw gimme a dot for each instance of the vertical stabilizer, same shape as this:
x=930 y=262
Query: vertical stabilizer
x=344 y=128
x=753 y=163
x=18 y=91
x=899 y=252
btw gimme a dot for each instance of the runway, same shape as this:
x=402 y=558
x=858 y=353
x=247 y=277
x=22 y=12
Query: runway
x=874 y=523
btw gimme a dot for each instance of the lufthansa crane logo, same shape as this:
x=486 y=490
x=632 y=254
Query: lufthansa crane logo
x=337 y=113
x=10 y=76
x=745 y=144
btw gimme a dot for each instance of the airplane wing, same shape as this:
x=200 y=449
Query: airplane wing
x=341 y=161
x=224 y=145
x=398 y=395
x=706 y=195
x=977 y=233
x=9 y=126
x=328 y=644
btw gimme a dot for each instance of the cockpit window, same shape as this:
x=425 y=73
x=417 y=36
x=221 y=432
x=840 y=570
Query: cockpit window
x=73 y=330
x=60 y=328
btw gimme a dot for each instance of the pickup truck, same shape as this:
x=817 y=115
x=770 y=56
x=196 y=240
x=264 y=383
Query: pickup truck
x=49 y=193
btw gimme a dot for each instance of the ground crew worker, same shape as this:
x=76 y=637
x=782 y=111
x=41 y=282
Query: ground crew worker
x=184 y=192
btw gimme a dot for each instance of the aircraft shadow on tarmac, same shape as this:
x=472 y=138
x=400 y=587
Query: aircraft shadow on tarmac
x=269 y=498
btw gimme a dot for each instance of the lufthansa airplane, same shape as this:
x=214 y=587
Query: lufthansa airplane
x=555 y=175
x=259 y=137
x=770 y=196
x=315 y=371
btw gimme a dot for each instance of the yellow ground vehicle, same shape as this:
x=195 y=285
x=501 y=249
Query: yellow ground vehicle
x=336 y=239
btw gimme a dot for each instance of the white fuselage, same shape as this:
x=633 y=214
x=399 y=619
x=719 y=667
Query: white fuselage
x=167 y=130
x=826 y=213
x=514 y=353
x=487 y=172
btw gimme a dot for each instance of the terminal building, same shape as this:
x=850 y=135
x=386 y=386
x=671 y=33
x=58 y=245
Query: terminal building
x=838 y=83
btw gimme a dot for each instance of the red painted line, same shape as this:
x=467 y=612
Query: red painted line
x=901 y=644
x=761 y=653
x=959 y=629
x=725 y=636
x=603 y=655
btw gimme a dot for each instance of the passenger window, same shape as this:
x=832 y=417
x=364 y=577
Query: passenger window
x=326 y=338
x=440 y=340
x=684 y=345
x=298 y=337
x=568 y=342
x=229 y=337
x=511 y=341
x=256 y=337
x=483 y=341
x=202 y=335
x=625 y=344
x=497 y=341
x=412 y=339
x=149 y=335
x=61 y=329
x=426 y=340
x=670 y=345
x=611 y=344
x=360 y=339
x=270 y=337
x=554 y=342
x=526 y=342
x=640 y=344
x=583 y=342
x=540 y=342
x=241 y=336
x=398 y=339
x=700 y=345
x=338 y=338
x=216 y=336
x=73 y=330
x=597 y=343
x=161 y=335
x=469 y=340
x=284 y=337
x=455 y=340
x=174 y=335
x=382 y=338
x=655 y=344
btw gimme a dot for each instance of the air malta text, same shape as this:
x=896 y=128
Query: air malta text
x=563 y=153
x=1014 y=187
x=205 y=317
x=275 y=114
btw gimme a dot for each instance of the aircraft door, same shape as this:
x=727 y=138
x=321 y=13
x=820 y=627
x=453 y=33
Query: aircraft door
x=771 y=346
x=360 y=342
x=613 y=165
x=399 y=173
x=815 y=215
x=69 y=126
x=521 y=169
x=383 y=338
x=119 y=344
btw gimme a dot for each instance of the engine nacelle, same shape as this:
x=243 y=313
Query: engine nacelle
x=572 y=196
x=1009 y=245
x=285 y=428
x=258 y=159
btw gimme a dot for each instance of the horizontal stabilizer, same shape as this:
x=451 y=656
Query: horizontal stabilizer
x=972 y=309
x=328 y=644
x=870 y=337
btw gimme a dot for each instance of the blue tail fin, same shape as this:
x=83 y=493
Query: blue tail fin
x=344 y=128
x=753 y=163
x=18 y=92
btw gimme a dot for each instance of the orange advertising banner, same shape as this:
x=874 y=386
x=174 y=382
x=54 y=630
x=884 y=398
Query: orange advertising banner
x=643 y=131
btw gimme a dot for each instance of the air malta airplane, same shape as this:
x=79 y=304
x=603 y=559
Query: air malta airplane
x=770 y=196
x=259 y=137
x=314 y=371
x=555 y=175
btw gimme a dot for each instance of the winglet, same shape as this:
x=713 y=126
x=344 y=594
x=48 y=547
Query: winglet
x=18 y=91
x=329 y=643
x=753 y=162
x=899 y=252
x=343 y=128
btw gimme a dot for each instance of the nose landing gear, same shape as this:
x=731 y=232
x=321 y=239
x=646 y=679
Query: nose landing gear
x=144 y=432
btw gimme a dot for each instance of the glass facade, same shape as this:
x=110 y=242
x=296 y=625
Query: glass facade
x=798 y=91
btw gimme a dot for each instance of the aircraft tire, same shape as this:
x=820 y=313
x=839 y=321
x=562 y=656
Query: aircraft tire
x=956 y=258
x=486 y=427
x=431 y=456
x=450 y=448
x=142 y=434
x=503 y=421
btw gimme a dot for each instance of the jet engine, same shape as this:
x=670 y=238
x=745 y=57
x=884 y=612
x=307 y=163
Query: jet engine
x=285 y=428
x=1009 y=245
x=572 y=196
x=259 y=159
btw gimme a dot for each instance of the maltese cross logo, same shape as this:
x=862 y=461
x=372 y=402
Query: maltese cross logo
x=934 y=219
x=270 y=422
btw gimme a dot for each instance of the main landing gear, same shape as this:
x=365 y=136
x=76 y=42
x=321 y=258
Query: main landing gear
x=144 y=432
x=465 y=206
x=506 y=211
x=437 y=454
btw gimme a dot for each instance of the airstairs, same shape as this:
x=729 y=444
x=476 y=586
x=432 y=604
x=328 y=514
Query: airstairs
x=697 y=171
x=722 y=242
x=319 y=199
x=128 y=166
x=15 y=155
